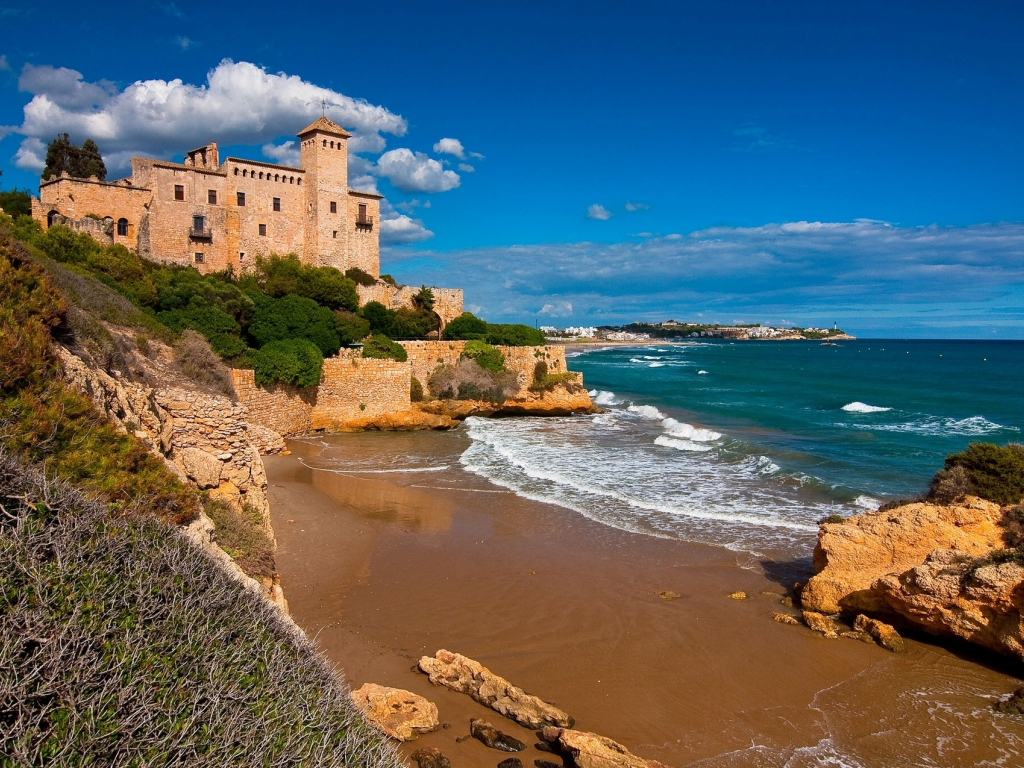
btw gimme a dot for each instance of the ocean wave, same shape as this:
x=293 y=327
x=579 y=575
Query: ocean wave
x=356 y=470
x=867 y=502
x=603 y=397
x=652 y=357
x=689 y=432
x=680 y=445
x=859 y=407
x=701 y=373
x=935 y=426
x=646 y=412
x=655 y=365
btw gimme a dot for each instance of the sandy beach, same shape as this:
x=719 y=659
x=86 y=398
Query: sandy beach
x=383 y=567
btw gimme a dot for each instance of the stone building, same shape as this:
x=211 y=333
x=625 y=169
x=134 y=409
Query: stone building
x=214 y=214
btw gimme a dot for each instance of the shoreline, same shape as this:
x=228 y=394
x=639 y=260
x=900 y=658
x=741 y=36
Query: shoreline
x=382 y=568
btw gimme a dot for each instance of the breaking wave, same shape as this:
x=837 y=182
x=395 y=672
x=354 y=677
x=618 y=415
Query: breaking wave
x=859 y=407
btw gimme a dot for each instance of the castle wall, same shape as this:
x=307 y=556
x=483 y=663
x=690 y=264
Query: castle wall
x=355 y=387
x=424 y=357
x=284 y=408
x=447 y=301
x=261 y=183
x=363 y=240
x=76 y=198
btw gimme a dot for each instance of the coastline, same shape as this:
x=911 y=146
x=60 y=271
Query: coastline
x=383 y=568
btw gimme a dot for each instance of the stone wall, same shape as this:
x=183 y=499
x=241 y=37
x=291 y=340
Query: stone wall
x=284 y=408
x=76 y=198
x=447 y=301
x=426 y=356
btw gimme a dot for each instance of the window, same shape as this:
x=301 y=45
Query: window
x=334 y=207
x=236 y=171
x=277 y=177
x=325 y=142
x=261 y=174
x=199 y=258
x=198 y=223
x=277 y=204
x=245 y=172
x=211 y=196
x=122 y=227
x=362 y=210
x=241 y=199
x=335 y=234
x=298 y=181
x=179 y=191
x=241 y=257
x=263 y=230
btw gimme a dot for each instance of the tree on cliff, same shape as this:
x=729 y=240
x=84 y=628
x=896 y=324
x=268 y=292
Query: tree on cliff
x=62 y=155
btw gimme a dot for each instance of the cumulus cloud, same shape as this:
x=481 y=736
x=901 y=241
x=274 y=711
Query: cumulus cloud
x=466 y=168
x=398 y=229
x=415 y=172
x=31 y=155
x=450 y=147
x=240 y=103
x=558 y=309
x=598 y=212
x=870 y=276
x=285 y=153
x=637 y=206
x=410 y=205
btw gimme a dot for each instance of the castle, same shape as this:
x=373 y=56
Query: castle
x=214 y=215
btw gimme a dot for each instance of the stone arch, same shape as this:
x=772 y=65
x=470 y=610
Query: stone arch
x=50 y=217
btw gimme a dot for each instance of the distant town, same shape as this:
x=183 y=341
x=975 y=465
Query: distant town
x=671 y=329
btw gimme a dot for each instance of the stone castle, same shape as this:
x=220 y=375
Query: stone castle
x=214 y=215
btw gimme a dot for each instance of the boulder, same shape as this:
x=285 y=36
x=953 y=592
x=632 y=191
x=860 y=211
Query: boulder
x=826 y=625
x=588 y=750
x=785 y=618
x=399 y=714
x=430 y=757
x=947 y=596
x=486 y=733
x=511 y=762
x=201 y=467
x=883 y=634
x=463 y=675
x=851 y=556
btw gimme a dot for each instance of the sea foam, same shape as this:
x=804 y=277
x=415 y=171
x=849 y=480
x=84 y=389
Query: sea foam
x=689 y=432
x=859 y=407
x=646 y=412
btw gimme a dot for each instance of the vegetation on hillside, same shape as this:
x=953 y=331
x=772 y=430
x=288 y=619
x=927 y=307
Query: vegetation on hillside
x=121 y=643
x=982 y=469
x=468 y=327
x=545 y=381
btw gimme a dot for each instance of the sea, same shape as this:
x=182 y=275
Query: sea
x=748 y=444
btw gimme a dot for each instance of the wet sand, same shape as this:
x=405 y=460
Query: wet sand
x=384 y=568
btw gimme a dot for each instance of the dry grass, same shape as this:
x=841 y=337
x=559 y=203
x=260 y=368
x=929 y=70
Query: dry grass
x=201 y=364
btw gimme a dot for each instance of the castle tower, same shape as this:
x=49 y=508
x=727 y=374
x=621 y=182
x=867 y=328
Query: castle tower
x=324 y=152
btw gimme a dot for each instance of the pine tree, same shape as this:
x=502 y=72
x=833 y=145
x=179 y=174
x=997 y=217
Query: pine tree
x=90 y=162
x=61 y=155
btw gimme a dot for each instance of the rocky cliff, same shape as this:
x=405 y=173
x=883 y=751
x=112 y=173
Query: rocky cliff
x=939 y=568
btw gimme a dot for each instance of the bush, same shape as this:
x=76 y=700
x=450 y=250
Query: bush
x=424 y=299
x=416 y=390
x=293 y=361
x=985 y=470
x=243 y=537
x=379 y=317
x=360 y=277
x=465 y=326
x=350 y=326
x=124 y=644
x=389 y=280
x=16 y=202
x=279 y=276
x=514 y=335
x=484 y=355
x=832 y=519
x=468 y=381
x=65 y=245
x=383 y=348
x=408 y=323
x=295 y=317
x=200 y=363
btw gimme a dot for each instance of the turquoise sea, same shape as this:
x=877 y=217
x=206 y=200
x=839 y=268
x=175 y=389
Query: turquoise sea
x=748 y=444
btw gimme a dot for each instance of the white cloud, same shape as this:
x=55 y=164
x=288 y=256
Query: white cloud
x=4 y=65
x=410 y=205
x=286 y=153
x=398 y=229
x=185 y=43
x=558 y=309
x=31 y=155
x=450 y=147
x=240 y=103
x=415 y=172
x=598 y=212
x=872 y=276
x=365 y=183
x=466 y=168
x=476 y=156
x=637 y=206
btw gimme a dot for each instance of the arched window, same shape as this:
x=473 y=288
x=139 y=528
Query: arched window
x=325 y=142
x=277 y=177
x=332 y=145
x=299 y=182
x=236 y=171
x=50 y=217
x=122 y=227
x=261 y=174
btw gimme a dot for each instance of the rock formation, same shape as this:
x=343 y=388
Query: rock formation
x=463 y=675
x=399 y=714
x=588 y=750
x=852 y=555
x=487 y=734
x=430 y=757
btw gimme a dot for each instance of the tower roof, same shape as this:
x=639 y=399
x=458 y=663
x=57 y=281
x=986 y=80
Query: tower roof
x=323 y=125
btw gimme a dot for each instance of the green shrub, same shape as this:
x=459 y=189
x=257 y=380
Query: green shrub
x=484 y=355
x=514 y=335
x=65 y=245
x=465 y=326
x=543 y=381
x=219 y=328
x=243 y=537
x=379 y=317
x=424 y=299
x=16 y=202
x=280 y=276
x=359 y=276
x=389 y=280
x=415 y=390
x=409 y=323
x=350 y=326
x=293 y=361
x=381 y=347
x=468 y=381
x=295 y=317
x=983 y=469
x=832 y=520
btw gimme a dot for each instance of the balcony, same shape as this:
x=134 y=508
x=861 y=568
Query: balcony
x=200 y=233
x=363 y=221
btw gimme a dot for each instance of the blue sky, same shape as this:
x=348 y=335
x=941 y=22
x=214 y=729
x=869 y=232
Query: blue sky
x=629 y=161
